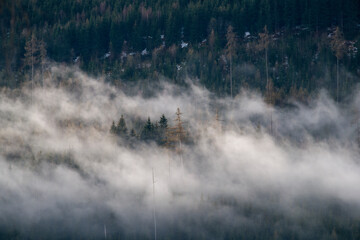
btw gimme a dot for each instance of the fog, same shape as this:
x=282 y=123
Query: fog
x=278 y=170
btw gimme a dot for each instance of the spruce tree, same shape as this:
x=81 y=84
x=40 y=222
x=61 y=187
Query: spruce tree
x=230 y=51
x=43 y=57
x=121 y=127
x=31 y=57
x=338 y=47
x=113 y=129
x=148 y=131
x=263 y=45
x=132 y=133
x=163 y=122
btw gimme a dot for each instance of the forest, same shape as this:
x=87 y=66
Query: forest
x=179 y=119
x=305 y=45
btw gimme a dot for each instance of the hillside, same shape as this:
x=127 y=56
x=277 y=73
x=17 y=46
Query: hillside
x=131 y=40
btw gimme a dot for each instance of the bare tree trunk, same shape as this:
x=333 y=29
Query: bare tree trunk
x=32 y=75
x=269 y=96
x=231 y=91
x=181 y=158
x=154 y=211
x=337 y=79
x=42 y=75
x=267 y=72
x=271 y=124
x=358 y=134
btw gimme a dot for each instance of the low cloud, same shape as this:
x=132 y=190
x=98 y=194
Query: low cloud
x=255 y=170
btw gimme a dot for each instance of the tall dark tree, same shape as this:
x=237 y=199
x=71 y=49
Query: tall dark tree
x=263 y=45
x=338 y=47
x=113 y=128
x=163 y=122
x=121 y=128
x=148 y=131
x=31 y=56
x=161 y=131
x=42 y=57
x=230 y=52
x=132 y=133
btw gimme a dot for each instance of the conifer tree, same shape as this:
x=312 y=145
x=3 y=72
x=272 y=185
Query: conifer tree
x=31 y=57
x=212 y=39
x=230 y=51
x=132 y=138
x=263 y=45
x=338 y=47
x=176 y=135
x=217 y=123
x=113 y=129
x=121 y=128
x=163 y=122
x=163 y=126
x=148 y=131
x=132 y=133
x=42 y=57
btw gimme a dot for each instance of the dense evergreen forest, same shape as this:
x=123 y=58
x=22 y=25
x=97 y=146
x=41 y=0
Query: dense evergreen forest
x=217 y=42
x=174 y=119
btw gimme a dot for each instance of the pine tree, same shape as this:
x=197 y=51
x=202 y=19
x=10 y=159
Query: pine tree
x=230 y=51
x=212 y=39
x=42 y=57
x=176 y=135
x=263 y=45
x=338 y=47
x=132 y=133
x=113 y=129
x=133 y=138
x=163 y=122
x=31 y=57
x=217 y=123
x=121 y=128
x=148 y=131
x=356 y=123
x=163 y=126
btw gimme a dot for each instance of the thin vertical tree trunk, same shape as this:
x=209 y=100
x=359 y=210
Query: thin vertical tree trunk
x=231 y=87
x=358 y=133
x=271 y=124
x=181 y=157
x=154 y=210
x=32 y=71
x=267 y=72
x=337 y=79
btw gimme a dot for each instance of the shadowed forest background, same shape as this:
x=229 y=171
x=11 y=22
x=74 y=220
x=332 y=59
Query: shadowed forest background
x=224 y=44
x=179 y=119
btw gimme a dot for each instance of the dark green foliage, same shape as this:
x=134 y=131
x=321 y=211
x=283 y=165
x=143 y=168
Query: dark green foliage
x=132 y=133
x=121 y=128
x=161 y=131
x=298 y=52
x=163 y=122
x=113 y=128
x=148 y=131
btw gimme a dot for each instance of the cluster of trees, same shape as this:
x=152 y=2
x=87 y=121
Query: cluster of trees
x=159 y=132
x=35 y=55
x=216 y=41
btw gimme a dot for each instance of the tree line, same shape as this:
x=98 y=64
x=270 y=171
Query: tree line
x=159 y=132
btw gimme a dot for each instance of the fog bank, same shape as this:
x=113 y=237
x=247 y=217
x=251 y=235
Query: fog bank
x=250 y=170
